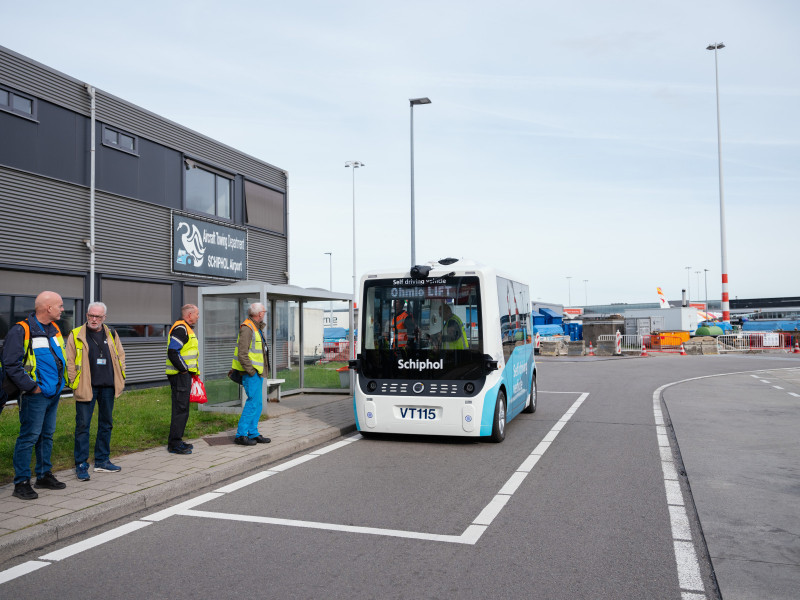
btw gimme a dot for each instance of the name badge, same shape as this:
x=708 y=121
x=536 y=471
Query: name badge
x=101 y=361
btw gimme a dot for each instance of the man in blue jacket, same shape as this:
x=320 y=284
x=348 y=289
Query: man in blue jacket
x=33 y=357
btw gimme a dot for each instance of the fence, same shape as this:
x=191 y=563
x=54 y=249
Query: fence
x=628 y=342
x=759 y=341
x=336 y=351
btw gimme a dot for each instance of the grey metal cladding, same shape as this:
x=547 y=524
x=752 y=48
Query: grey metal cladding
x=28 y=206
x=266 y=257
x=36 y=79
x=144 y=361
x=43 y=82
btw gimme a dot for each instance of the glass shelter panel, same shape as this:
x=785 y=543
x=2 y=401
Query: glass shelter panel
x=221 y=319
x=326 y=331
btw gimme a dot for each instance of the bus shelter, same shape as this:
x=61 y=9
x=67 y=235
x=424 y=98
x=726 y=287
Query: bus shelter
x=302 y=359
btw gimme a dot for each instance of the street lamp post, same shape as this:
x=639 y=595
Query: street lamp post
x=705 y=280
x=353 y=164
x=569 y=291
x=698 y=285
x=689 y=284
x=585 y=293
x=330 y=289
x=413 y=102
x=726 y=311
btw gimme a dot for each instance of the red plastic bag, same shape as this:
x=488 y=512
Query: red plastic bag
x=198 y=393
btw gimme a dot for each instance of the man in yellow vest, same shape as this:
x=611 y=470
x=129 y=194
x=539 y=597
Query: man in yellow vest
x=183 y=353
x=33 y=358
x=251 y=357
x=96 y=372
x=454 y=335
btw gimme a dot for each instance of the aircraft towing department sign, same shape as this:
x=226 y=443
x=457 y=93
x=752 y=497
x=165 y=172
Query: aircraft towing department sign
x=207 y=248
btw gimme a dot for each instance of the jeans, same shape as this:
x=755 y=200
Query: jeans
x=104 y=396
x=181 y=385
x=251 y=412
x=37 y=424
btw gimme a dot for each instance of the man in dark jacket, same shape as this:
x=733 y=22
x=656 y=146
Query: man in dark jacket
x=33 y=358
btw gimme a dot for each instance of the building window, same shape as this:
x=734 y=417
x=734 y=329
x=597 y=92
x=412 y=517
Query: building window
x=208 y=190
x=264 y=207
x=118 y=140
x=138 y=308
x=17 y=103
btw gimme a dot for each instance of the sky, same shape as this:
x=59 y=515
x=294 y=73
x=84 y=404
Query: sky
x=571 y=144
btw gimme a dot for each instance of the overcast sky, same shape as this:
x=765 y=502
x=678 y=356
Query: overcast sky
x=564 y=139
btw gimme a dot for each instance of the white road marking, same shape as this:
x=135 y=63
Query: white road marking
x=174 y=510
x=795 y=395
x=457 y=539
x=777 y=387
x=94 y=541
x=691 y=582
x=470 y=536
x=245 y=482
x=20 y=570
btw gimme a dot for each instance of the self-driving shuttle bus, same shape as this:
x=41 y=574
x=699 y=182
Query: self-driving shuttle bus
x=443 y=349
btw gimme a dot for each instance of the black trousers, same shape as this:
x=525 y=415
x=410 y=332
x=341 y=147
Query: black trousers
x=181 y=385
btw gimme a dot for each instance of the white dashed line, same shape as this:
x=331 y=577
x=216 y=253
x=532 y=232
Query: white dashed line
x=94 y=541
x=20 y=570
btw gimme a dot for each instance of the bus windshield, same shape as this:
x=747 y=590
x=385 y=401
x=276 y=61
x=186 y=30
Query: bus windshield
x=422 y=329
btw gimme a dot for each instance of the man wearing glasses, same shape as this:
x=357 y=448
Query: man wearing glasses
x=96 y=372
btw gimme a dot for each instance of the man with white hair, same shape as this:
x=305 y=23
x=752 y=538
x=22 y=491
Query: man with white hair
x=96 y=373
x=251 y=357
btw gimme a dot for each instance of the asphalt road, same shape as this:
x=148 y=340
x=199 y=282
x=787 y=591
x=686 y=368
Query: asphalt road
x=403 y=517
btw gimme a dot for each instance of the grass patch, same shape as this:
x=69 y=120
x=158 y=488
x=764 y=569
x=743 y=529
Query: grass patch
x=141 y=421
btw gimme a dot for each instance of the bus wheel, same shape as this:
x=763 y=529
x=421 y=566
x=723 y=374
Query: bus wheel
x=499 y=425
x=531 y=408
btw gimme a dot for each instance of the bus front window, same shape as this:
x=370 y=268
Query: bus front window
x=422 y=329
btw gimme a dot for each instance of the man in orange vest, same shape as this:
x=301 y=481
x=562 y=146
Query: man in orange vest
x=403 y=326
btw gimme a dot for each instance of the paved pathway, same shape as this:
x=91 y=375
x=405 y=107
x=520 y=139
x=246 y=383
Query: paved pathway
x=154 y=476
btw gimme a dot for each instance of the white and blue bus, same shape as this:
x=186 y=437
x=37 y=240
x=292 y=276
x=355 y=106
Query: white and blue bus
x=443 y=349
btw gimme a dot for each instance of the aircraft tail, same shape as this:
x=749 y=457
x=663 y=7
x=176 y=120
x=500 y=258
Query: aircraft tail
x=662 y=299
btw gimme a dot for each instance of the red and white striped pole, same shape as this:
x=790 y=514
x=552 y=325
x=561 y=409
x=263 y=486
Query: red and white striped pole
x=726 y=309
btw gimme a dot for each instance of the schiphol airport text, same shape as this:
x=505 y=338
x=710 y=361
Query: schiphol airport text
x=420 y=365
x=226 y=241
x=223 y=264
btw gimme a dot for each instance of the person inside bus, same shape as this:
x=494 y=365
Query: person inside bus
x=453 y=335
x=403 y=327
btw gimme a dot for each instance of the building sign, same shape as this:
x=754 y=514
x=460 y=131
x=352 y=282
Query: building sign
x=206 y=248
x=573 y=311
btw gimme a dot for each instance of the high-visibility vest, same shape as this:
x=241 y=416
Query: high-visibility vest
x=29 y=357
x=79 y=354
x=256 y=351
x=189 y=353
x=461 y=343
x=399 y=327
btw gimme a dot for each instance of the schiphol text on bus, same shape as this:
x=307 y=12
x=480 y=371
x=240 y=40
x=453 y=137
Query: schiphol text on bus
x=444 y=348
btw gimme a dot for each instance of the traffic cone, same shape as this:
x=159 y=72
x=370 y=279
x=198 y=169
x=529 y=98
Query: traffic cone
x=683 y=350
x=591 y=350
x=644 y=349
x=797 y=348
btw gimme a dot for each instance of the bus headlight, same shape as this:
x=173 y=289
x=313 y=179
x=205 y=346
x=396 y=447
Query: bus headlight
x=372 y=386
x=469 y=387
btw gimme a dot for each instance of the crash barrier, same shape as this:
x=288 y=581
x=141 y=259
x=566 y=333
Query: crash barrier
x=757 y=341
x=335 y=351
x=628 y=342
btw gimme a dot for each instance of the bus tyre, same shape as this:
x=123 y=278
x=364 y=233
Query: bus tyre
x=531 y=408
x=499 y=424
